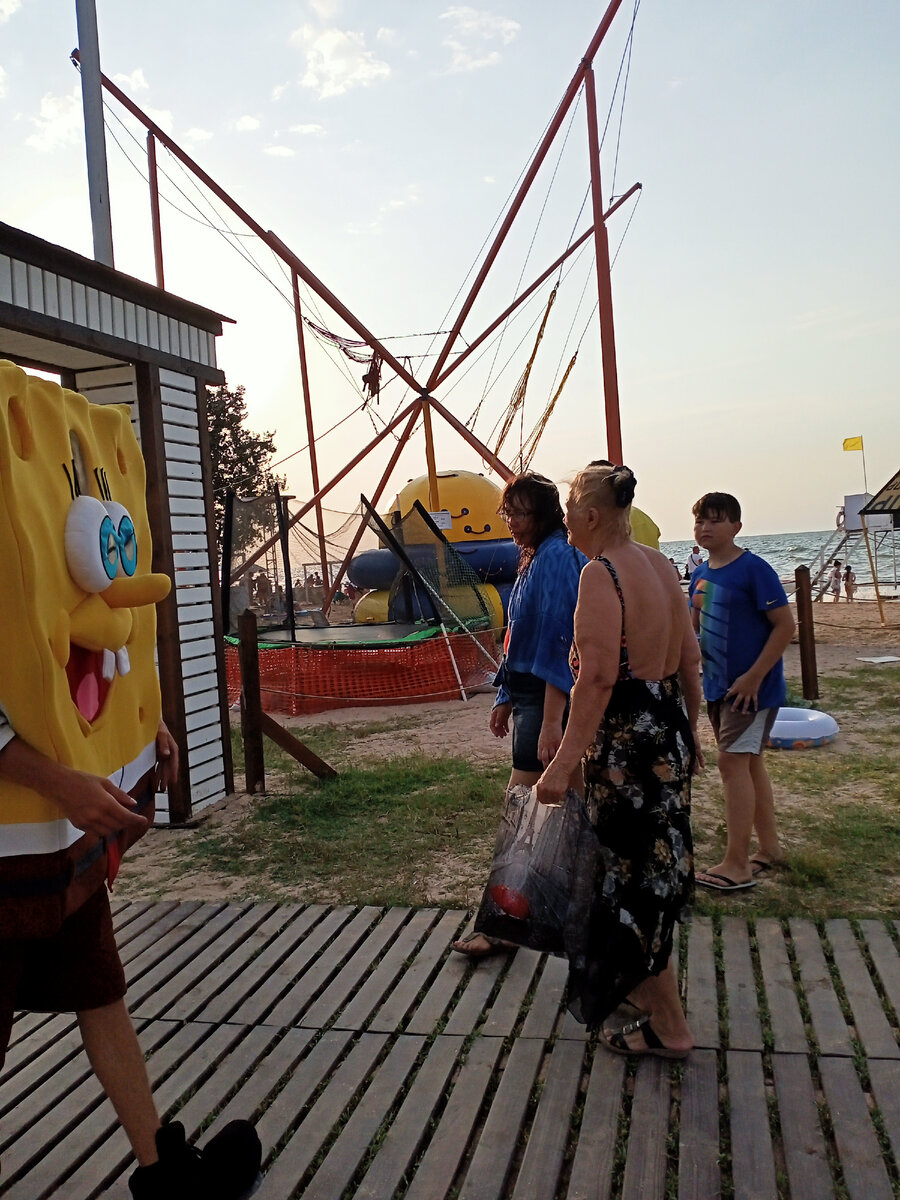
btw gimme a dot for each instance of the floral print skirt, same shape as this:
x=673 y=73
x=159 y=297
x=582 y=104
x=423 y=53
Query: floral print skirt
x=638 y=795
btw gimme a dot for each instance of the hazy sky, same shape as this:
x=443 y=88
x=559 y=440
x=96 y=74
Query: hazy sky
x=755 y=294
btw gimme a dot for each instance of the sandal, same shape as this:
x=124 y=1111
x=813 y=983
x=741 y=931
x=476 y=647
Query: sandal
x=492 y=946
x=614 y=1040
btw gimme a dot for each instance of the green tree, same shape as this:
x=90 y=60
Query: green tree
x=240 y=457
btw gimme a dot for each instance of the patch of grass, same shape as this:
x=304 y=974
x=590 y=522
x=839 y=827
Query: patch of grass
x=374 y=835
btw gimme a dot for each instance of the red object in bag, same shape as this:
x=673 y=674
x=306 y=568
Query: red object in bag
x=511 y=901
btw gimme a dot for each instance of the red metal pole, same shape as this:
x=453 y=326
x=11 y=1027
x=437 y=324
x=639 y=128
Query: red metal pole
x=271 y=240
x=604 y=286
x=635 y=187
x=310 y=431
x=488 y=455
x=376 y=496
x=540 y=155
x=323 y=491
x=154 y=210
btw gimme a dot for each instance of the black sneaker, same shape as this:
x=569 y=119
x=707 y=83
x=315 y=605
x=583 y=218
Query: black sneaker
x=226 y=1169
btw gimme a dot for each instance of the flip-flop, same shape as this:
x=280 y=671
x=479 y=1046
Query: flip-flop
x=494 y=945
x=724 y=884
x=759 y=866
x=614 y=1041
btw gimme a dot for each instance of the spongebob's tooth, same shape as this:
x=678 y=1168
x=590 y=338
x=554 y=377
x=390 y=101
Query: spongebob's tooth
x=109 y=666
x=123 y=662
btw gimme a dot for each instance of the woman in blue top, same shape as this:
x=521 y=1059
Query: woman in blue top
x=535 y=677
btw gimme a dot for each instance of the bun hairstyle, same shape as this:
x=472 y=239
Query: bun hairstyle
x=622 y=481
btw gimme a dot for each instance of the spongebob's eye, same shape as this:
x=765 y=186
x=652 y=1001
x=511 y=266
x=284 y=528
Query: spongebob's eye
x=100 y=542
x=126 y=539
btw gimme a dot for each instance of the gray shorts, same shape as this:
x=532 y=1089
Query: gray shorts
x=740 y=732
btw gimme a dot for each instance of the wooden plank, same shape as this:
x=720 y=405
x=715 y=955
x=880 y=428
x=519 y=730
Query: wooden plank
x=504 y=1012
x=403 y=996
x=32 y=1033
x=805 y=1153
x=157 y=942
x=385 y=976
x=341 y=988
x=471 y=1003
x=440 y=995
x=595 y=1152
x=504 y=1126
x=173 y=414
x=348 y=1151
x=544 y=1010
x=885 y=957
x=543 y=1159
x=872 y=1026
x=58 y=1058
x=313 y=1131
x=752 y=1162
x=645 y=1162
x=828 y=1022
x=178 y=964
x=786 y=1019
x=865 y=1175
x=246 y=940
x=264 y=1083
x=885 y=1076
x=177 y=381
x=702 y=1000
x=698 y=1132
x=298 y=997
x=250 y=998
x=744 y=1029
x=401 y=1143
x=440 y=1162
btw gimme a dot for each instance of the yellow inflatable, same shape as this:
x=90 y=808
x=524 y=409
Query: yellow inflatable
x=471 y=500
x=77 y=622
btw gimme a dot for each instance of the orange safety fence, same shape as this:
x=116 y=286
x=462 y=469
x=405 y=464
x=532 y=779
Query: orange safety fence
x=298 y=679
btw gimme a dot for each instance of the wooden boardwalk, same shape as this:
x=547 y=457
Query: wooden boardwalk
x=378 y=1065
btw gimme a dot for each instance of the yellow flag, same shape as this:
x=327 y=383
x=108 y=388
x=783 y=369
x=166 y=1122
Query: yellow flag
x=853 y=443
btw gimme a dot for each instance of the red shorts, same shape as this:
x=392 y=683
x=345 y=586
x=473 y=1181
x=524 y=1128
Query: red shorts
x=78 y=968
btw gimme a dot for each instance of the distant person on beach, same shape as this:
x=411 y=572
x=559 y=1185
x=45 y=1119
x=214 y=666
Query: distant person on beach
x=694 y=560
x=849 y=582
x=675 y=567
x=534 y=678
x=741 y=613
x=834 y=580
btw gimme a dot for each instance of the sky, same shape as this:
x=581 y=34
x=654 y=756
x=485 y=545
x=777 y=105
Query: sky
x=755 y=282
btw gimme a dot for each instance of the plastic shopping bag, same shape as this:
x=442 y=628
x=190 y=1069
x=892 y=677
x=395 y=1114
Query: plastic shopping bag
x=542 y=880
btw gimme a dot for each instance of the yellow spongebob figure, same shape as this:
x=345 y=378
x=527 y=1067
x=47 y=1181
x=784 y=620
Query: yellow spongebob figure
x=77 y=622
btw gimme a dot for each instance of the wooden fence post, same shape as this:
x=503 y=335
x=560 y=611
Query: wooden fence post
x=806 y=633
x=251 y=704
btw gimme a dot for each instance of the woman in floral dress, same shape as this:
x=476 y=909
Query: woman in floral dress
x=632 y=722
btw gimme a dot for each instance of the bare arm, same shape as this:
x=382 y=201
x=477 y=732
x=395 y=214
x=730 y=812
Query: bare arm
x=91 y=803
x=550 y=737
x=598 y=629
x=689 y=679
x=744 y=691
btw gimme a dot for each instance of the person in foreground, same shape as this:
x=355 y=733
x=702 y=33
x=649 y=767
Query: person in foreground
x=741 y=613
x=534 y=678
x=633 y=718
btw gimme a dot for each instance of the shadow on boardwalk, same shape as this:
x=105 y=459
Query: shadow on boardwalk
x=377 y=1065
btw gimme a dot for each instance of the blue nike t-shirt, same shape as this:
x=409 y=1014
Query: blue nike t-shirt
x=732 y=602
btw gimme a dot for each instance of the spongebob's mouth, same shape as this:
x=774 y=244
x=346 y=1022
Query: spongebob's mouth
x=90 y=674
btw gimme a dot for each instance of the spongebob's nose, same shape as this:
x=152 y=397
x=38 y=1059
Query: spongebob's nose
x=136 y=591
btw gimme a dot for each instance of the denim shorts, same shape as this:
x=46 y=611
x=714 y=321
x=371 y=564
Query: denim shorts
x=526 y=693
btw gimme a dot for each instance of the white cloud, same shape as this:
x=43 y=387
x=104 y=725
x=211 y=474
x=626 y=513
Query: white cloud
x=474 y=36
x=490 y=179
x=413 y=196
x=280 y=151
x=7 y=8
x=307 y=130
x=163 y=118
x=2 y=83
x=389 y=37
x=278 y=90
x=337 y=60
x=325 y=10
x=136 y=81
x=246 y=124
x=198 y=135
x=60 y=123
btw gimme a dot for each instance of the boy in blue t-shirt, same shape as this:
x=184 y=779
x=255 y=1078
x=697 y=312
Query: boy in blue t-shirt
x=741 y=613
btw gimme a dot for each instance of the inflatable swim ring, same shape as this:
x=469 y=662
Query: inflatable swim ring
x=802 y=729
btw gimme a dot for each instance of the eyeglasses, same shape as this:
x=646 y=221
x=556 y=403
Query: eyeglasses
x=516 y=514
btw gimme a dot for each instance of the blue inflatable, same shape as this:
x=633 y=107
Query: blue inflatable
x=493 y=562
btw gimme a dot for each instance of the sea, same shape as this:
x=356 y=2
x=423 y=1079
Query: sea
x=786 y=551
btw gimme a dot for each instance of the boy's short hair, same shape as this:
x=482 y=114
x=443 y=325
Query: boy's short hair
x=717 y=505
